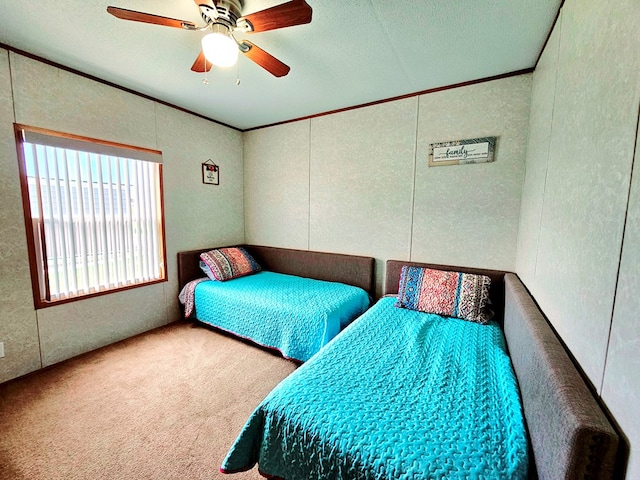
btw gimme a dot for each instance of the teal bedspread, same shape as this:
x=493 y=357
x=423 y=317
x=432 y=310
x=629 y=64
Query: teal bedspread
x=294 y=315
x=398 y=394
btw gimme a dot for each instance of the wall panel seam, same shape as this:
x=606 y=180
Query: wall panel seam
x=13 y=96
x=415 y=173
x=309 y=188
x=546 y=171
x=624 y=229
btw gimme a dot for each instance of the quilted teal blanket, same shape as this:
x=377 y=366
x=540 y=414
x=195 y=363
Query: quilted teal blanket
x=294 y=315
x=399 y=394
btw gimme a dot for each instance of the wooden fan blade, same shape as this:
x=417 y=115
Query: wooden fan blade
x=295 y=12
x=267 y=61
x=134 y=16
x=201 y=64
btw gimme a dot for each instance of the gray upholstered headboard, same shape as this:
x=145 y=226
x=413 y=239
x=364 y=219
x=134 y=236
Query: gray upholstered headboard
x=570 y=435
x=333 y=267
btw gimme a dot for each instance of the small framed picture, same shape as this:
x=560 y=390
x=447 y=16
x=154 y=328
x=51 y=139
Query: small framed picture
x=210 y=173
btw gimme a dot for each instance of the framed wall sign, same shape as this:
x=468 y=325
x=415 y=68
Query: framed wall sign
x=460 y=152
x=210 y=173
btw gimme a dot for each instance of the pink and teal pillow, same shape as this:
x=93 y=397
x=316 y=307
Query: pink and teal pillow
x=226 y=263
x=451 y=294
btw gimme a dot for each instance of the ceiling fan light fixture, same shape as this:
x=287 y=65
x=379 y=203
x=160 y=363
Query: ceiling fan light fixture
x=220 y=49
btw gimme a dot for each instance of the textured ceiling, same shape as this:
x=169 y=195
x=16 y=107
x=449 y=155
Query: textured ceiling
x=352 y=52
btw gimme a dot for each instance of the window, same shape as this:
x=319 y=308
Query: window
x=93 y=212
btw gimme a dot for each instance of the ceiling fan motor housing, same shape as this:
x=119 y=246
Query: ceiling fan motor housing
x=225 y=12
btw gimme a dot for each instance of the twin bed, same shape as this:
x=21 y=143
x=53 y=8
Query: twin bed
x=404 y=394
x=292 y=301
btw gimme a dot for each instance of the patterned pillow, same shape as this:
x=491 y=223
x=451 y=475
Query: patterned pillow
x=451 y=294
x=227 y=263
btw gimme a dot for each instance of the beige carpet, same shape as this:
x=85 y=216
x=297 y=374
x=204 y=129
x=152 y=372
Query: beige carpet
x=163 y=405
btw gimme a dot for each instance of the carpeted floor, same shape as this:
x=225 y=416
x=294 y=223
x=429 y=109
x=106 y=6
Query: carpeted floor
x=163 y=405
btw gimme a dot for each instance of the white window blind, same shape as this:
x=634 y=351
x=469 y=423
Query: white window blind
x=96 y=212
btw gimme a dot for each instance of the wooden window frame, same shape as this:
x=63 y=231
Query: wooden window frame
x=39 y=282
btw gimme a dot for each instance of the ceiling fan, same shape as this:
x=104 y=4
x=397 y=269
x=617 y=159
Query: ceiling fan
x=222 y=18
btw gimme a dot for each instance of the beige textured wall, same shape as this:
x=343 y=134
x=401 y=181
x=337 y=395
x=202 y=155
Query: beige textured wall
x=578 y=202
x=542 y=97
x=196 y=215
x=361 y=181
x=468 y=214
x=276 y=185
x=370 y=191
x=621 y=384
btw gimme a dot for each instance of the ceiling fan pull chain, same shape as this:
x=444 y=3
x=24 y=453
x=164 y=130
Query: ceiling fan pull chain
x=238 y=73
x=205 y=80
